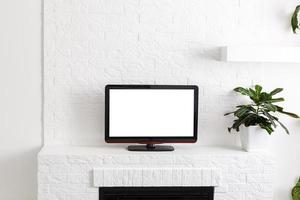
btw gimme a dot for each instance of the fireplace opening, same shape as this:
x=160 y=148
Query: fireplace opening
x=156 y=193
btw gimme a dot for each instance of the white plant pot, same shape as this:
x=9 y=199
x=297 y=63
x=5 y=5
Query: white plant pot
x=254 y=138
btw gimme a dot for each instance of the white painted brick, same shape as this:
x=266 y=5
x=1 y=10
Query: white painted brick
x=52 y=178
x=259 y=178
x=78 y=159
x=92 y=43
x=191 y=177
x=88 y=44
x=92 y=189
x=77 y=168
x=59 y=169
x=192 y=160
x=266 y=187
x=79 y=178
x=155 y=177
x=48 y=196
x=176 y=177
x=207 y=177
x=114 y=7
x=119 y=159
x=221 y=189
x=234 y=177
x=85 y=196
x=107 y=177
x=98 y=177
x=254 y=195
x=230 y=196
x=167 y=177
x=76 y=187
x=43 y=169
x=156 y=160
x=83 y=174
x=152 y=177
x=52 y=159
x=216 y=177
x=43 y=188
x=137 y=178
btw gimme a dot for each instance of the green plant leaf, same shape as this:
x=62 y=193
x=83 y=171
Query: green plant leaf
x=252 y=121
x=252 y=93
x=275 y=118
x=275 y=100
x=267 y=127
x=250 y=106
x=243 y=110
x=280 y=109
x=289 y=114
x=276 y=91
x=270 y=117
x=242 y=91
x=263 y=97
x=270 y=107
x=254 y=96
x=241 y=121
x=294 y=20
x=258 y=89
x=283 y=126
x=228 y=113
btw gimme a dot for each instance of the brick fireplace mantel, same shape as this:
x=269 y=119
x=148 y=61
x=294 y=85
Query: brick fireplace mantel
x=155 y=176
x=73 y=172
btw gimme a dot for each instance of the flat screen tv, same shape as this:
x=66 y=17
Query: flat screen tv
x=151 y=114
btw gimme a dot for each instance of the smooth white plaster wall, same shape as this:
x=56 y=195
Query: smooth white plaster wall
x=20 y=97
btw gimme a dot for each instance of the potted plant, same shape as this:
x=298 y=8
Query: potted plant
x=294 y=21
x=258 y=117
x=296 y=191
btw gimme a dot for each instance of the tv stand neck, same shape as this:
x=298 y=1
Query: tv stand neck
x=150 y=147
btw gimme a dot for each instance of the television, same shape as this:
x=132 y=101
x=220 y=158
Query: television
x=150 y=115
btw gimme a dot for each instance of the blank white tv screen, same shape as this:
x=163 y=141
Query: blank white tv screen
x=151 y=113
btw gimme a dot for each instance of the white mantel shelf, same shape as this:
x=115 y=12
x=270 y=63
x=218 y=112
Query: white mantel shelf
x=121 y=149
x=260 y=54
x=65 y=172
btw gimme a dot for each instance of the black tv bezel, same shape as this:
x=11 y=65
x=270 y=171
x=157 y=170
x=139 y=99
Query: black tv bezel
x=151 y=140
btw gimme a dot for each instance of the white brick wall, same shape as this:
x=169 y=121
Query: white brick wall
x=90 y=43
x=65 y=173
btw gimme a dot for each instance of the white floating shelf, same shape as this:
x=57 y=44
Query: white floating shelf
x=261 y=54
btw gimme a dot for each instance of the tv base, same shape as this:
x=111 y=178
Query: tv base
x=150 y=147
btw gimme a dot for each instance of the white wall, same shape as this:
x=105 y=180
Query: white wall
x=285 y=147
x=20 y=97
x=132 y=41
x=91 y=43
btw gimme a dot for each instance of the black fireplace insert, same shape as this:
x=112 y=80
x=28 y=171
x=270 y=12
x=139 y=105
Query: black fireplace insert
x=156 y=193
